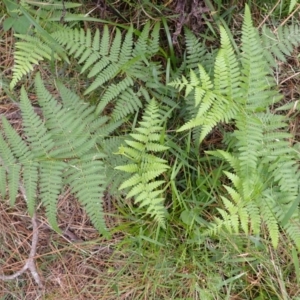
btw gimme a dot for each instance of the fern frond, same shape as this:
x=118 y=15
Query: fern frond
x=227 y=70
x=292 y=229
x=29 y=52
x=153 y=45
x=214 y=102
x=265 y=176
x=280 y=44
x=114 y=178
x=255 y=78
x=104 y=58
x=117 y=67
x=67 y=129
x=59 y=151
x=99 y=127
x=144 y=186
x=126 y=49
x=196 y=52
x=254 y=216
x=6 y=156
x=115 y=90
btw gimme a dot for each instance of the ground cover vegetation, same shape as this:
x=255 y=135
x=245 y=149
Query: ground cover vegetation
x=149 y=150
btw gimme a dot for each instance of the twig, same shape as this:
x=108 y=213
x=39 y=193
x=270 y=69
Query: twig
x=284 y=21
x=268 y=15
x=29 y=265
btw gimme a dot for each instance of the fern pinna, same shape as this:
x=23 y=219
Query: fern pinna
x=146 y=167
x=59 y=151
x=264 y=176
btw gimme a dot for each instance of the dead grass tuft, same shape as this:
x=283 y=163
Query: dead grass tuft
x=75 y=265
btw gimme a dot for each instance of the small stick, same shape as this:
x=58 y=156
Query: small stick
x=30 y=265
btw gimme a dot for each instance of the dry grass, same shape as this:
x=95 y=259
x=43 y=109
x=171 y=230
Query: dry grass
x=76 y=264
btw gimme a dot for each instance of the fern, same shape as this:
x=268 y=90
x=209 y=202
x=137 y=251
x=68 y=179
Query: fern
x=59 y=151
x=277 y=45
x=265 y=179
x=118 y=67
x=145 y=166
x=106 y=57
x=114 y=178
x=212 y=98
x=38 y=44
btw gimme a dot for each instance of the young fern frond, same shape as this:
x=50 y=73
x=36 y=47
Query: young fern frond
x=145 y=166
x=59 y=151
x=216 y=101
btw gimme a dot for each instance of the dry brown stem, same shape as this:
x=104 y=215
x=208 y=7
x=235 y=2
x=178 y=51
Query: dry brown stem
x=30 y=264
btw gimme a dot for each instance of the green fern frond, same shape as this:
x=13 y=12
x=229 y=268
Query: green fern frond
x=254 y=216
x=96 y=53
x=280 y=44
x=255 y=79
x=215 y=101
x=292 y=229
x=117 y=66
x=29 y=52
x=114 y=178
x=99 y=127
x=115 y=90
x=3 y=182
x=146 y=167
x=196 y=51
x=38 y=44
x=249 y=137
x=59 y=151
x=227 y=70
x=6 y=156
x=67 y=129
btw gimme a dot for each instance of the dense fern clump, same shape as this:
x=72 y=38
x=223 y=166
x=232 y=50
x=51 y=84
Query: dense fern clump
x=145 y=166
x=264 y=176
x=73 y=145
x=59 y=151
